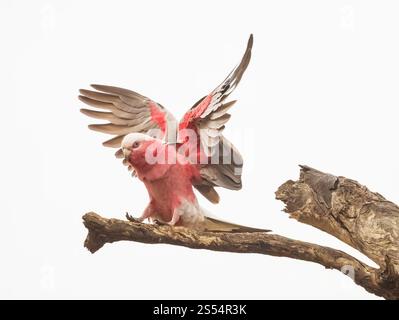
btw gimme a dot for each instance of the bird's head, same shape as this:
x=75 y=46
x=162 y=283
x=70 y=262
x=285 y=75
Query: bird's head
x=135 y=147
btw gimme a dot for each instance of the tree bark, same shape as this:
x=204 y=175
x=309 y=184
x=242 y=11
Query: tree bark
x=337 y=205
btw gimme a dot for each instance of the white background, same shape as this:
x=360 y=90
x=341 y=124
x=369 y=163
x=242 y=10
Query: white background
x=321 y=90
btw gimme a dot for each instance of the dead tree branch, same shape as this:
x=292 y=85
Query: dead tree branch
x=337 y=205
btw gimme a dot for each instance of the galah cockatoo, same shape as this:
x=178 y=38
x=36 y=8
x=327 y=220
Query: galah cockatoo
x=172 y=157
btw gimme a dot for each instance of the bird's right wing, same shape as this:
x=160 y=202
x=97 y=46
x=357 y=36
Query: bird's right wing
x=209 y=114
x=127 y=112
x=207 y=118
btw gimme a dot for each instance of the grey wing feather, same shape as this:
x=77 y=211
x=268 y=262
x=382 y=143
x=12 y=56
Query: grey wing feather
x=126 y=112
x=226 y=167
x=208 y=192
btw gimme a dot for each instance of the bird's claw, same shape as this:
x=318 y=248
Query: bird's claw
x=158 y=223
x=133 y=219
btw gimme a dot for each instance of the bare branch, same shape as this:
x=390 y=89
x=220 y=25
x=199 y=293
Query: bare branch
x=337 y=205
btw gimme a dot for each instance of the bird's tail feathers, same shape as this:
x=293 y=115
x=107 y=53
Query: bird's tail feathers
x=216 y=225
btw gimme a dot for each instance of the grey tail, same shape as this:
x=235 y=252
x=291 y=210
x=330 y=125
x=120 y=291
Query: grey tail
x=214 y=225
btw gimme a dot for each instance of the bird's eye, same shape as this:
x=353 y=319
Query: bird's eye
x=135 y=145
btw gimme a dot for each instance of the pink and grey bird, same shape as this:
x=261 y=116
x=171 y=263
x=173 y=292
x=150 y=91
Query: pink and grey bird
x=172 y=157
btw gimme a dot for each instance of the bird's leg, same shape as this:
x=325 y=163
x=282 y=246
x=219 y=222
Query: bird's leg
x=175 y=218
x=146 y=214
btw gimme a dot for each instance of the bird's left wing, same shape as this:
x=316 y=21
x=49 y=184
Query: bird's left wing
x=127 y=112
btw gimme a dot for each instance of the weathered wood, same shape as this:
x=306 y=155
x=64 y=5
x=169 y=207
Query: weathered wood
x=350 y=212
x=339 y=206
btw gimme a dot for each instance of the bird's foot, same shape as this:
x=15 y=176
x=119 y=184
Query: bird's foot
x=158 y=223
x=133 y=219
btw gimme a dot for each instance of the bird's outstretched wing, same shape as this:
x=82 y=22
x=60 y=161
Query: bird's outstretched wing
x=208 y=118
x=127 y=112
